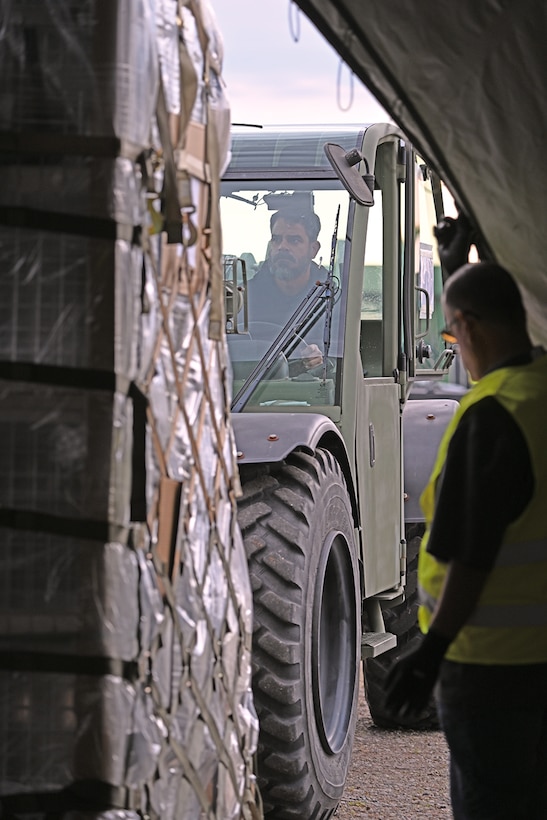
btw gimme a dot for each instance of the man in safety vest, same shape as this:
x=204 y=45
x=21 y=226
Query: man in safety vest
x=483 y=563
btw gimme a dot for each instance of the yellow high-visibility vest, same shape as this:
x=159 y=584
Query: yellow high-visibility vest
x=509 y=624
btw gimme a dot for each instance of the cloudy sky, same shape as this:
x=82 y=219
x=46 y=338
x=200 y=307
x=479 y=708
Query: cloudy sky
x=278 y=69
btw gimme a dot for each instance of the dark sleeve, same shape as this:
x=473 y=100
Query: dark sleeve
x=486 y=483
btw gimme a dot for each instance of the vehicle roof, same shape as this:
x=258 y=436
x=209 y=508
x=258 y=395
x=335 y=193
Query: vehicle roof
x=296 y=149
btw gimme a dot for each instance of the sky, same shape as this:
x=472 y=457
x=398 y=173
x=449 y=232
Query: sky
x=279 y=70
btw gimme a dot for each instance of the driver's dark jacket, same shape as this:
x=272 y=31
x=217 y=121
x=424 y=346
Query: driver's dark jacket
x=267 y=303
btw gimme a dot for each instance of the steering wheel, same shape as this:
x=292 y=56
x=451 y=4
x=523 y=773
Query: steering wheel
x=268 y=331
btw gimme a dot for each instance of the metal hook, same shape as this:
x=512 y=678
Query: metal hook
x=294 y=21
x=339 y=87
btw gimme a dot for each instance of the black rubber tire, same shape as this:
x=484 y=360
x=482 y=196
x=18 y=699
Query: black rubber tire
x=297 y=526
x=402 y=620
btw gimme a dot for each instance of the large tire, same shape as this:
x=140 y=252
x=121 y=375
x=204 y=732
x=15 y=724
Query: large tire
x=402 y=620
x=296 y=522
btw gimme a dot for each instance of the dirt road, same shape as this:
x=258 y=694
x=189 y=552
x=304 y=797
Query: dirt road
x=395 y=775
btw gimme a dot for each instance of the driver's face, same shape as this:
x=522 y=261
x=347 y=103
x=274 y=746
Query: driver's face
x=291 y=250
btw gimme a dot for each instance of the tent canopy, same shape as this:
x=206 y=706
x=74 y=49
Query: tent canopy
x=467 y=82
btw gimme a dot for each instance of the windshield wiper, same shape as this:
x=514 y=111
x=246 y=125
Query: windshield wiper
x=330 y=296
x=306 y=314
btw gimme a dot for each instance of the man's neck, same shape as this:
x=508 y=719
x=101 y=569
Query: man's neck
x=505 y=354
x=291 y=286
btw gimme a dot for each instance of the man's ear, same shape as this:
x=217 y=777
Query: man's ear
x=315 y=248
x=468 y=320
x=470 y=329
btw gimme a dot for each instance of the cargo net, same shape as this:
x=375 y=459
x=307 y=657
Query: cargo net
x=125 y=604
x=197 y=554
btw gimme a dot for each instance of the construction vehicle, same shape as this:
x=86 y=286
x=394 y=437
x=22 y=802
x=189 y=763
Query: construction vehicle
x=332 y=459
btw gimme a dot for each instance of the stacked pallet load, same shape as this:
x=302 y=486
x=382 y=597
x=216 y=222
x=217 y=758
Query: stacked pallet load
x=125 y=608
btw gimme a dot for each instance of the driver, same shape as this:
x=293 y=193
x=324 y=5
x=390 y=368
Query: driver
x=288 y=273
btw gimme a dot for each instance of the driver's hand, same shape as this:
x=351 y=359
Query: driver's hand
x=311 y=356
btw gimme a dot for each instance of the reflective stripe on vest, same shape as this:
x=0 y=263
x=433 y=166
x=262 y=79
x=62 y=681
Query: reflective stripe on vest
x=529 y=552
x=503 y=615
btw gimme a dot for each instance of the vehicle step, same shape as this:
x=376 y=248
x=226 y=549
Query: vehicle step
x=375 y=643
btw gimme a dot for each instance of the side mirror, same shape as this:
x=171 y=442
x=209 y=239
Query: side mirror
x=235 y=295
x=344 y=163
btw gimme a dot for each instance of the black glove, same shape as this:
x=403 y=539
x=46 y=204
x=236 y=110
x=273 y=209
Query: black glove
x=454 y=238
x=411 y=680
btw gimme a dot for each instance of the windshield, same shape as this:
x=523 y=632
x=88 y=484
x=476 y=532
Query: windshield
x=278 y=244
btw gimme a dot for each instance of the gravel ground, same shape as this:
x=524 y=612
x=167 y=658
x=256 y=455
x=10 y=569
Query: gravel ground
x=395 y=774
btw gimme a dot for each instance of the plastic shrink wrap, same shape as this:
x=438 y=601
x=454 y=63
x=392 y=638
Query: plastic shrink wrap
x=125 y=608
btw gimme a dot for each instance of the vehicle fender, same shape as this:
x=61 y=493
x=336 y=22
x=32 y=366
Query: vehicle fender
x=424 y=423
x=271 y=437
